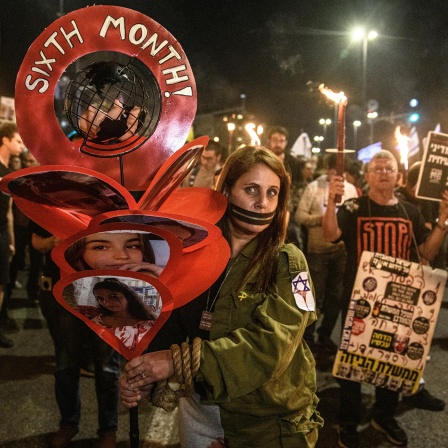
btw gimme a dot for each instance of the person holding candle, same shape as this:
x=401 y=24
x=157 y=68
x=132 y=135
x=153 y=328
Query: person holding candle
x=368 y=215
x=203 y=174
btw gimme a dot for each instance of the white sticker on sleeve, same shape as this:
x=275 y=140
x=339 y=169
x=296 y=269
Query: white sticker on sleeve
x=301 y=289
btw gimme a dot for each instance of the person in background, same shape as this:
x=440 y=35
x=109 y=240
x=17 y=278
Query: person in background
x=306 y=176
x=428 y=208
x=25 y=251
x=316 y=162
x=277 y=141
x=306 y=170
x=11 y=145
x=354 y=175
x=203 y=175
x=15 y=163
x=256 y=379
x=326 y=260
x=70 y=337
x=366 y=215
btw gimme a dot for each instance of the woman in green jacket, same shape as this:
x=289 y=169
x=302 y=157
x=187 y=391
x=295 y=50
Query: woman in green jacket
x=255 y=369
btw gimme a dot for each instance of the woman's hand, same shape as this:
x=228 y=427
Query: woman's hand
x=140 y=374
x=143 y=266
x=149 y=368
x=130 y=396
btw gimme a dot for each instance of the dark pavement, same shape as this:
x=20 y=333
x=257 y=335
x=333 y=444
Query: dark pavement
x=28 y=412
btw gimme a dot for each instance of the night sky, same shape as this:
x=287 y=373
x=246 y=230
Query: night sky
x=269 y=50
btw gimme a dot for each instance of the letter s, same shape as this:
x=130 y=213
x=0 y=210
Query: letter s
x=32 y=86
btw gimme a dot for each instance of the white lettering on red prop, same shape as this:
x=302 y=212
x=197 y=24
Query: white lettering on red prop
x=66 y=40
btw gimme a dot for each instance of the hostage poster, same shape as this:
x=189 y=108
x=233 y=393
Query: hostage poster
x=390 y=323
x=433 y=176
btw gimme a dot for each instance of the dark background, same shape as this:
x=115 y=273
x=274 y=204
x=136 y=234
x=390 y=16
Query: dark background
x=269 y=50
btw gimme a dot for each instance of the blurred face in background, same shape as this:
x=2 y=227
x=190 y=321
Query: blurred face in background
x=308 y=171
x=277 y=143
x=209 y=160
x=28 y=160
x=15 y=145
x=15 y=163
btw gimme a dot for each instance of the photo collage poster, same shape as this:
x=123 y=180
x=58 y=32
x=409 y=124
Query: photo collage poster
x=390 y=323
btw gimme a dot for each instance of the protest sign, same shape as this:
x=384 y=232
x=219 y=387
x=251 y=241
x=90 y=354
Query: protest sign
x=390 y=323
x=433 y=177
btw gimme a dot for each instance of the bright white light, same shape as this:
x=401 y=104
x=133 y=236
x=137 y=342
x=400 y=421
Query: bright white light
x=356 y=123
x=358 y=33
x=230 y=126
x=414 y=117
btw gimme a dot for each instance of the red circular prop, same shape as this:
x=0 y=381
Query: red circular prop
x=105 y=29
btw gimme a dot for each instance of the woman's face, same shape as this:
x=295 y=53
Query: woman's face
x=112 y=250
x=257 y=191
x=111 y=300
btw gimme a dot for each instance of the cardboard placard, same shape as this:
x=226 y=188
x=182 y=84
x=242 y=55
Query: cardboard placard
x=433 y=176
x=390 y=323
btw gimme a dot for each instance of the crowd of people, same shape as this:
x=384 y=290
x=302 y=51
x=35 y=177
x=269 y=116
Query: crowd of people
x=293 y=225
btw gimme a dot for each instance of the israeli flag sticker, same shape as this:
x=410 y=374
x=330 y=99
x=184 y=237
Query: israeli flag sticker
x=301 y=289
